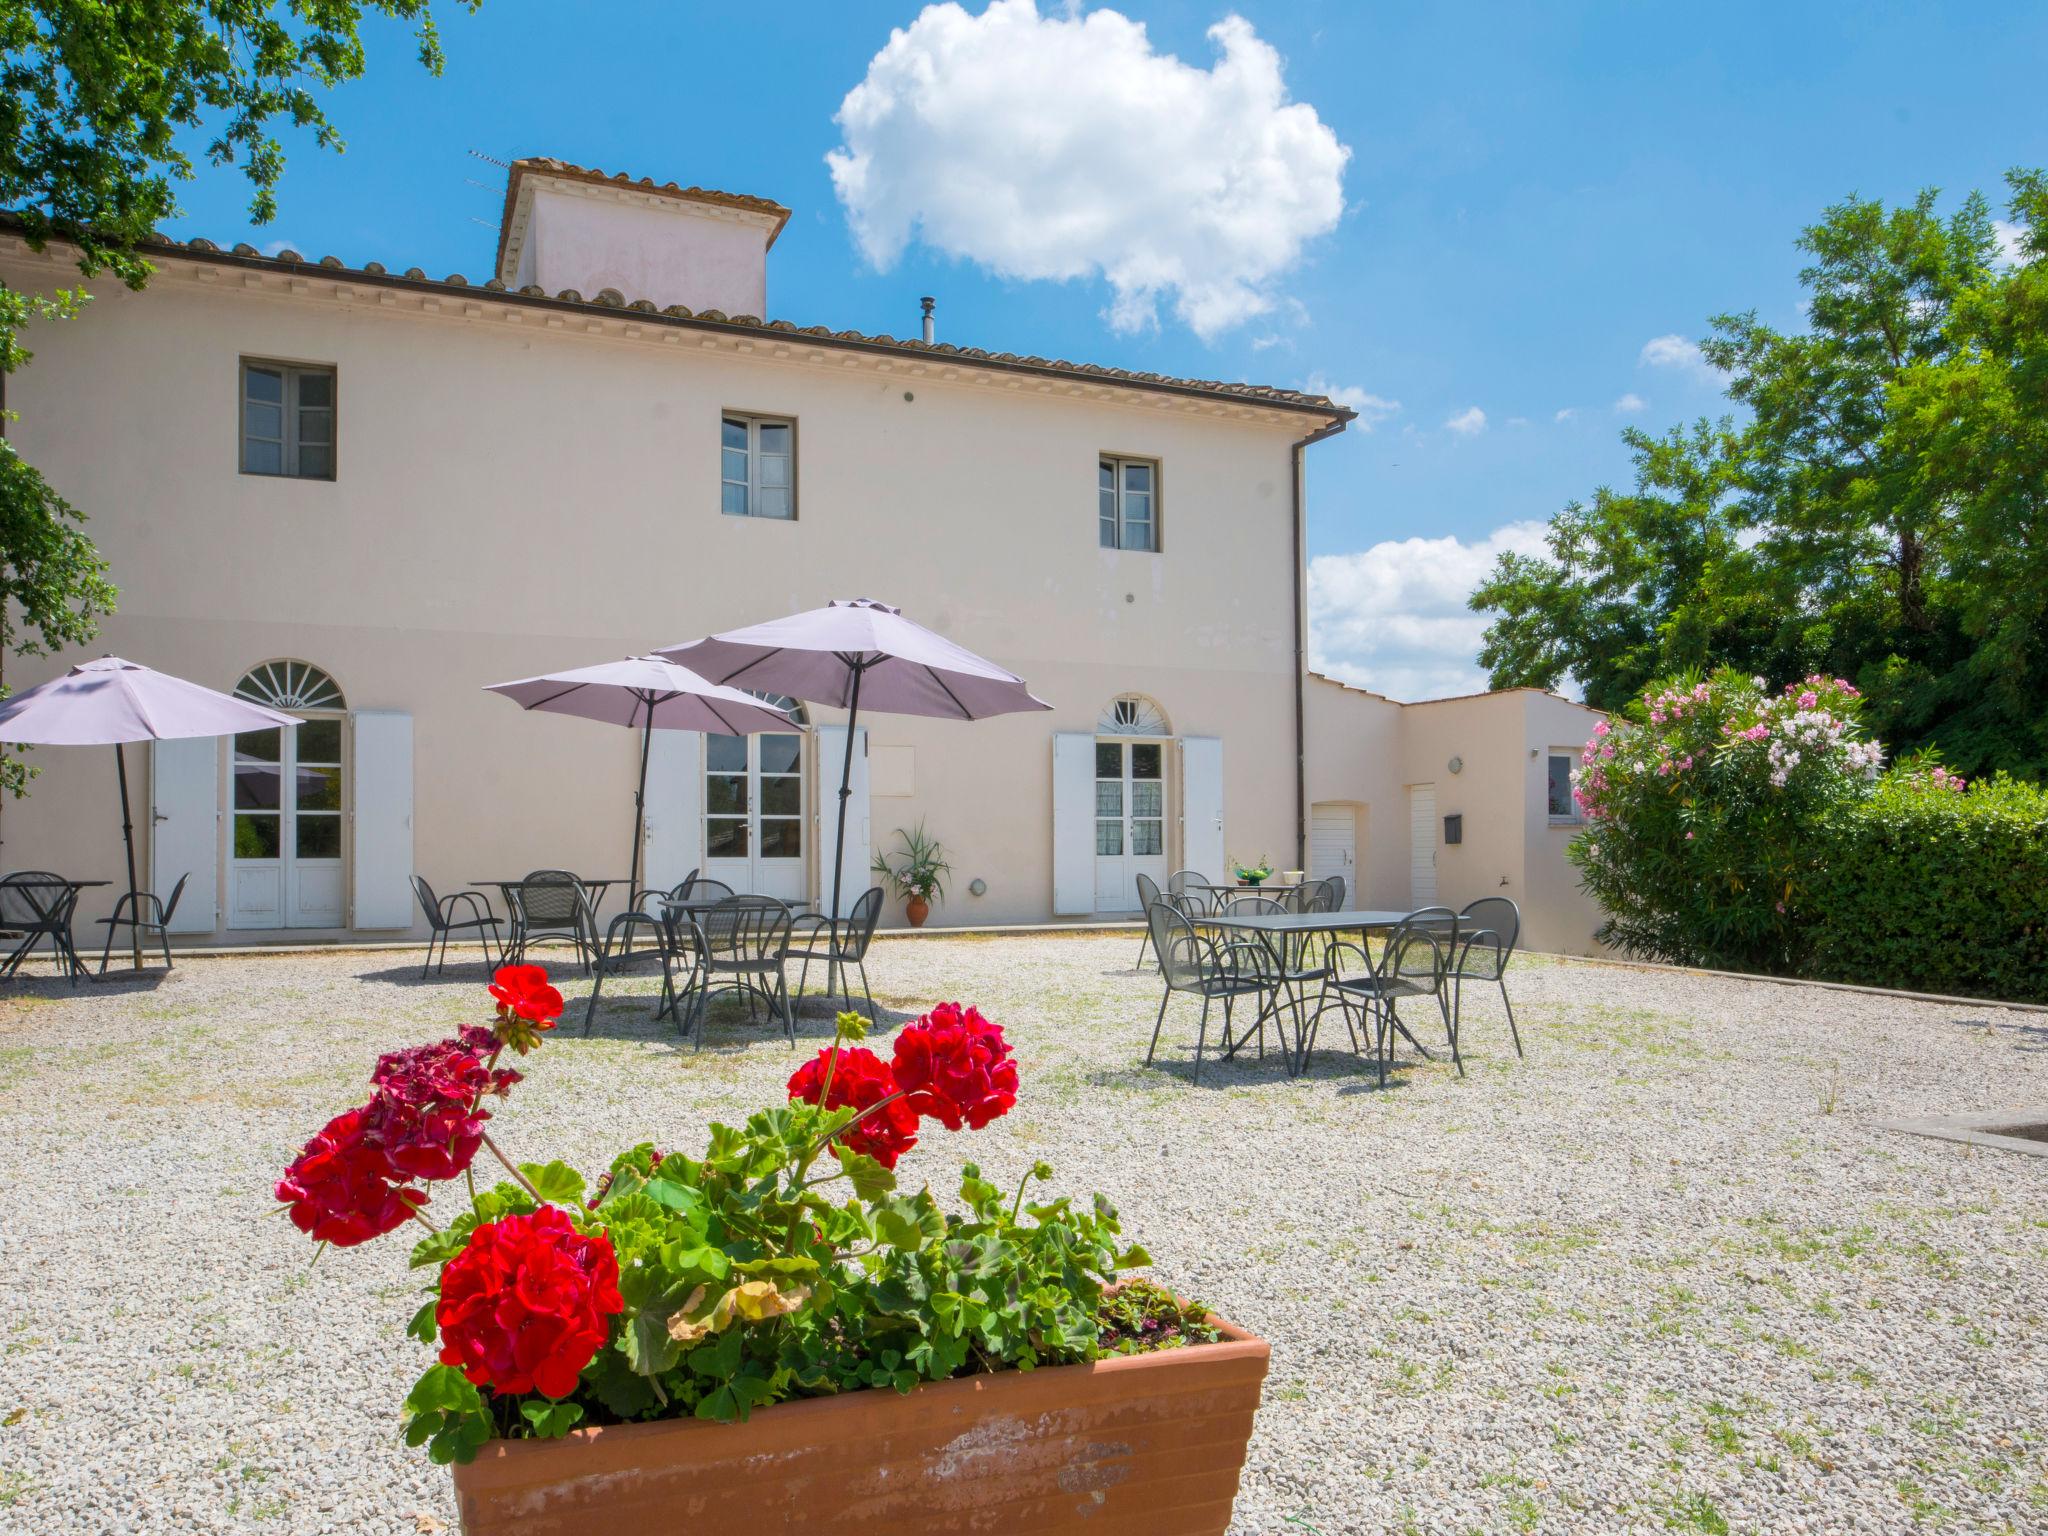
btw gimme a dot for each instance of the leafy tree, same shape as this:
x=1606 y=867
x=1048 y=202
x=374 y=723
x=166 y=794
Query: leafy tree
x=1878 y=514
x=95 y=99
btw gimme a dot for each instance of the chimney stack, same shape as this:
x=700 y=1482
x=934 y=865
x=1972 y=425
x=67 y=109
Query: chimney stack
x=930 y=330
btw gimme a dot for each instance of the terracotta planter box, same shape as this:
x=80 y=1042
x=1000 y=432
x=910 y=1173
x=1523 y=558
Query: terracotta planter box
x=1141 y=1445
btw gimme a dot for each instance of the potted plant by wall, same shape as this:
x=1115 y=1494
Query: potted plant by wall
x=1252 y=874
x=775 y=1332
x=918 y=872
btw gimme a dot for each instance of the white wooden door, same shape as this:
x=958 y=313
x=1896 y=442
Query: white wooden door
x=754 y=813
x=380 y=837
x=1333 y=845
x=674 y=808
x=285 y=864
x=1073 y=823
x=832 y=766
x=184 y=830
x=1201 y=807
x=1422 y=845
x=1130 y=820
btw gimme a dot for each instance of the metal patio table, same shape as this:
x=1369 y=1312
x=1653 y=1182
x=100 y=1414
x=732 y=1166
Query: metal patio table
x=1275 y=926
x=53 y=923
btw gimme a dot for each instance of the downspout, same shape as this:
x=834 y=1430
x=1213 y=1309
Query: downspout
x=1299 y=478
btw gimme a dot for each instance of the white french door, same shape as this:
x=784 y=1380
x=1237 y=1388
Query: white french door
x=1130 y=820
x=285 y=866
x=754 y=813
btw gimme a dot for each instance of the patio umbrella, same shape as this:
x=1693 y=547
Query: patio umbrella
x=855 y=651
x=110 y=701
x=651 y=695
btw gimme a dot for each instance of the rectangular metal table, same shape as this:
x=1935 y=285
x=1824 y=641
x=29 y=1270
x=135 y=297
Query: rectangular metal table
x=1285 y=925
x=51 y=920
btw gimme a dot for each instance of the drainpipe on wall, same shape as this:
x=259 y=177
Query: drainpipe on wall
x=1298 y=471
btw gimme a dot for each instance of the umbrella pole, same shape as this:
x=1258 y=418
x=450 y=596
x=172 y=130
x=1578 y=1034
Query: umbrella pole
x=128 y=838
x=640 y=804
x=845 y=794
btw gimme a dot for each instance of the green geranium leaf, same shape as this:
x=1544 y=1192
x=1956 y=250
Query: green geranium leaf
x=556 y=1182
x=550 y=1421
x=423 y=1327
x=870 y=1179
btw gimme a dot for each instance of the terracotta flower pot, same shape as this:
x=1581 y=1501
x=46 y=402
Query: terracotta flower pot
x=1139 y=1445
x=917 y=909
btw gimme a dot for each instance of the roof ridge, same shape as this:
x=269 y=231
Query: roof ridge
x=201 y=249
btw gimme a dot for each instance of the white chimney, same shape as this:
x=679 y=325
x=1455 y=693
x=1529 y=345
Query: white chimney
x=568 y=228
x=931 y=330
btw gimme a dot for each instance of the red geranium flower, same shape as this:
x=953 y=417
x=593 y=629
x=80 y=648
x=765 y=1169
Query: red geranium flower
x=523 y=990
x=527 y=1303
x=425 y=1115
x=954 y=1065
x=861 y=1079
x=341 y=1188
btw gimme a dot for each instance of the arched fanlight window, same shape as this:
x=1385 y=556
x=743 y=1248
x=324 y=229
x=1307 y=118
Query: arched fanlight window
x=1132 y=715
x=781 y=701
x=290 y=685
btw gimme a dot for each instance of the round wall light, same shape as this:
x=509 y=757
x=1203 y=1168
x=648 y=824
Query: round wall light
x=977 y=887
x=1456 y=765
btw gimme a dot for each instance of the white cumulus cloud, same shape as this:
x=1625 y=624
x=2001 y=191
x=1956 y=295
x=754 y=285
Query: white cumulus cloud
x=1566 y=414
x=1064 y=146
x=1673 y=351
x=1630 y=403
x=1467 y=423
x=1372 y=409
x=1392 y=618
x=2010 y=252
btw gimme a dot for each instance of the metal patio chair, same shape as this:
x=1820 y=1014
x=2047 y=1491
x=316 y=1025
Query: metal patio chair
x=743 y=940
x=1296 y=962
x=653 y=918
x=146 y=913
x=1148 y=892
x=1213 y=970
x=1487 y=933
x=1194 y=892
x=1411 y=963
x=842 y=946
x=551 y=904
x=442 y=920
x=34 y=905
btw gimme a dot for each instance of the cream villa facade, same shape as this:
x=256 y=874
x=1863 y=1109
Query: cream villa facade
x=363 y=495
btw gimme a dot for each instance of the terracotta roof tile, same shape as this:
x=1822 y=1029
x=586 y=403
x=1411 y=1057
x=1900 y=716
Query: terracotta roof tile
x=200 y=249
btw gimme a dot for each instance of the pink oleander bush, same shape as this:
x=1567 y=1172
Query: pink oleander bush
x=1736 y=826
x=1708 y=810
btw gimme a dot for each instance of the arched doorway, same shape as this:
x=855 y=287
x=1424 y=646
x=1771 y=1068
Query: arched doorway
x=1132 y=738
x=754 y=808
x=286 y=837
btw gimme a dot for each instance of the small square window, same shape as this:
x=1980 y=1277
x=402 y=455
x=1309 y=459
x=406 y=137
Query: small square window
x=757 y=467
x=287 y=420
x=1127 y=503
x=1558 y=788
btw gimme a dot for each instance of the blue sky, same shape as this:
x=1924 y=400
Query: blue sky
x=1532 y=195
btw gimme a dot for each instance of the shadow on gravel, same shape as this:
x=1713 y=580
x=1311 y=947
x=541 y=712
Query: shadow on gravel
x=51 y=989
x=2024 y=1037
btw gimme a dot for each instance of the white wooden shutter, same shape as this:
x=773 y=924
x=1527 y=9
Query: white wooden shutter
x=1201 y=806
x=184 y=829
x=381 y=840
x=1422 y=845
x=859 y=839
x=675 y=808
x=1073 y=823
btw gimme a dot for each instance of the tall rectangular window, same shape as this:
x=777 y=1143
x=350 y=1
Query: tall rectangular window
x=287 y=420
x=1562 y=806
x=757 y=467
x=1127 y=503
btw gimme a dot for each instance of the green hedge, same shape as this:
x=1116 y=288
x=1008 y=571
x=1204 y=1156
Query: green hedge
x=1930 y=890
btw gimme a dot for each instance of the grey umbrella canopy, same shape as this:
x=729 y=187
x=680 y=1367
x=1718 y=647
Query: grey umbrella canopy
x=648 y=694
x=856 y=652
x=108 y=702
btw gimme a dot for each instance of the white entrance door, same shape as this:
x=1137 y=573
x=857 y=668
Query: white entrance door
x=285 y=859
x=1130 y=820
x=1422 y=845
x=754 y=813
x=1333 y=846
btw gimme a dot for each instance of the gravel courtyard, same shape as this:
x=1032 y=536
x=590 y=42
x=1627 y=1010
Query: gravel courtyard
x=1668 y=1274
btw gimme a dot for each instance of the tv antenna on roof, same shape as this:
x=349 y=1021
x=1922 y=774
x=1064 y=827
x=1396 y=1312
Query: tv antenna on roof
x=503 y=165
